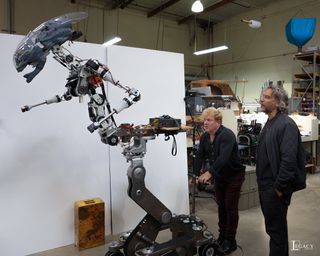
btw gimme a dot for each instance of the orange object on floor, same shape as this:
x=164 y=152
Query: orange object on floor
x=89 y=223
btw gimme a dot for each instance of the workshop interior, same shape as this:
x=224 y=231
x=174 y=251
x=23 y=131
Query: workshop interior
x=101 y=120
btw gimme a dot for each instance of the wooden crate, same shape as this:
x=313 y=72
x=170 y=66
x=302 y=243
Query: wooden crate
x=89 y=223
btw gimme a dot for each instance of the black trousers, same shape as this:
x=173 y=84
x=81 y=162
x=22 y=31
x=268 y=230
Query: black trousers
x=227 y=196
x=275 y=211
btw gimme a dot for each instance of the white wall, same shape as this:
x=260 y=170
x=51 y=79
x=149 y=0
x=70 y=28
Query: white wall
x=48 y=159
x=160 y=76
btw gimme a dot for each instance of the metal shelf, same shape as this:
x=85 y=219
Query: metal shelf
x=310 y=92
x=308 y=56
x=307 y=76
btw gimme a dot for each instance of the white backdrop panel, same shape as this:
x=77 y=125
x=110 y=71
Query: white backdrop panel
x=48 y=159
x=160 y=78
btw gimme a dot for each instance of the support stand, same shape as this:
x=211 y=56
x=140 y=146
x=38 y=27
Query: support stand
x=194 y=151
x=189 y=233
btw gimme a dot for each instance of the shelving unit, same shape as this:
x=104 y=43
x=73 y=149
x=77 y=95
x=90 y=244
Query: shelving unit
x=305 y=97
x=305 y=86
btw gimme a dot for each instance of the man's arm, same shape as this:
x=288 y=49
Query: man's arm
x=199 y=159
x=288 y=158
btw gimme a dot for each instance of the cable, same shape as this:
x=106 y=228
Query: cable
x=174 y=148
x=86 y=25
x=158 y=32
x=241 y=249
x=107 y=104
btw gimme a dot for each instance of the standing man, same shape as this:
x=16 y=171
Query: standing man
x=218 y=145
x=280 y=167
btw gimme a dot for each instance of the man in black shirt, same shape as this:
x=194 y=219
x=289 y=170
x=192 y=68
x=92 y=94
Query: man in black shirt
x=218 y=145
x=280 y=167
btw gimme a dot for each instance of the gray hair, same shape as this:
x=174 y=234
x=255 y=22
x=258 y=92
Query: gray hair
x=280 y=95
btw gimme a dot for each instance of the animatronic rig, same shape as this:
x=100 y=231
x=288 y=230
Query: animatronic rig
x=86 y=78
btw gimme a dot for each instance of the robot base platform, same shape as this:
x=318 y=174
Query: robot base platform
x=189 y=237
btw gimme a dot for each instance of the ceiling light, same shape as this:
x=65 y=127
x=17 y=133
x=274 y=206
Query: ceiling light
x=112 y=41
x=215 y=49
x=197 y=6
x=252 y=23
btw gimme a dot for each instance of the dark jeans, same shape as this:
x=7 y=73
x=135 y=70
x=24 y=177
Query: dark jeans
x=227 y=196
x=275 y=211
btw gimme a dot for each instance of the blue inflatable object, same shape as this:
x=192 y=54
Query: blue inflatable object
x=300 y=30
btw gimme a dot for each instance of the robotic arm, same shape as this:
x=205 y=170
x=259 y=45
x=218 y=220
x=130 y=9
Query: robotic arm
x=85 y=77
x=103 y=72
x=105 y=123
x=85 y=80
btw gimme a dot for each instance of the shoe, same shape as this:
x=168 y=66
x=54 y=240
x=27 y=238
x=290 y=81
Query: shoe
x=228 y=246
x=220 y=240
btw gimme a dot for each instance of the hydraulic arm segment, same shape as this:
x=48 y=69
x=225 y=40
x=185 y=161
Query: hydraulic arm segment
x=188 y=232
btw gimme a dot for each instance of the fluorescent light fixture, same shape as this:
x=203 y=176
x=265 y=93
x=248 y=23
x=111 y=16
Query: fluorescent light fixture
x=197 y=6
x=215 y=49
x=112 y=41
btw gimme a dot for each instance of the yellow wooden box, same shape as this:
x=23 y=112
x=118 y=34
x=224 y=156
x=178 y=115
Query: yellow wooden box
x=89 y=223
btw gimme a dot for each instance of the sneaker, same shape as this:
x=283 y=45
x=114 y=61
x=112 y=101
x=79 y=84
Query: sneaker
x=228 y=246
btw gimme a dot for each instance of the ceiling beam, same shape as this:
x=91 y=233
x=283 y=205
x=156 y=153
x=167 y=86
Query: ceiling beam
x=244 y=5
x=125 y=4
x=161 y=7
x=204 y=24
x=216 y=5
x=207 y=9
x=122 y=4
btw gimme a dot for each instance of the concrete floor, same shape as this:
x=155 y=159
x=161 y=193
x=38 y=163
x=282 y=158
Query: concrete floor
x=303 y=223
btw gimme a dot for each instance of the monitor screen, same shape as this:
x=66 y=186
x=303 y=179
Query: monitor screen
x=202 y=91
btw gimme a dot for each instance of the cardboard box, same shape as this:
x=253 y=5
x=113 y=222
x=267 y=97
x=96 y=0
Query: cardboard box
x=89 y=223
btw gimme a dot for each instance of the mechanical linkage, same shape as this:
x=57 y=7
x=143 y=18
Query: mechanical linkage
x=87 y=78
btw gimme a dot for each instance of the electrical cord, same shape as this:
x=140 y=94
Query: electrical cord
x=107 y=104
x=242 y=253
x=174 y=148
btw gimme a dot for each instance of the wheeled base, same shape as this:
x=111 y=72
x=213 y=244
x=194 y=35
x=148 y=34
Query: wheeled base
x=189 y=237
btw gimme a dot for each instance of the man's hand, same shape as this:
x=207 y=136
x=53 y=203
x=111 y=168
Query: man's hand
x=205 y=177
x=279 y=193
